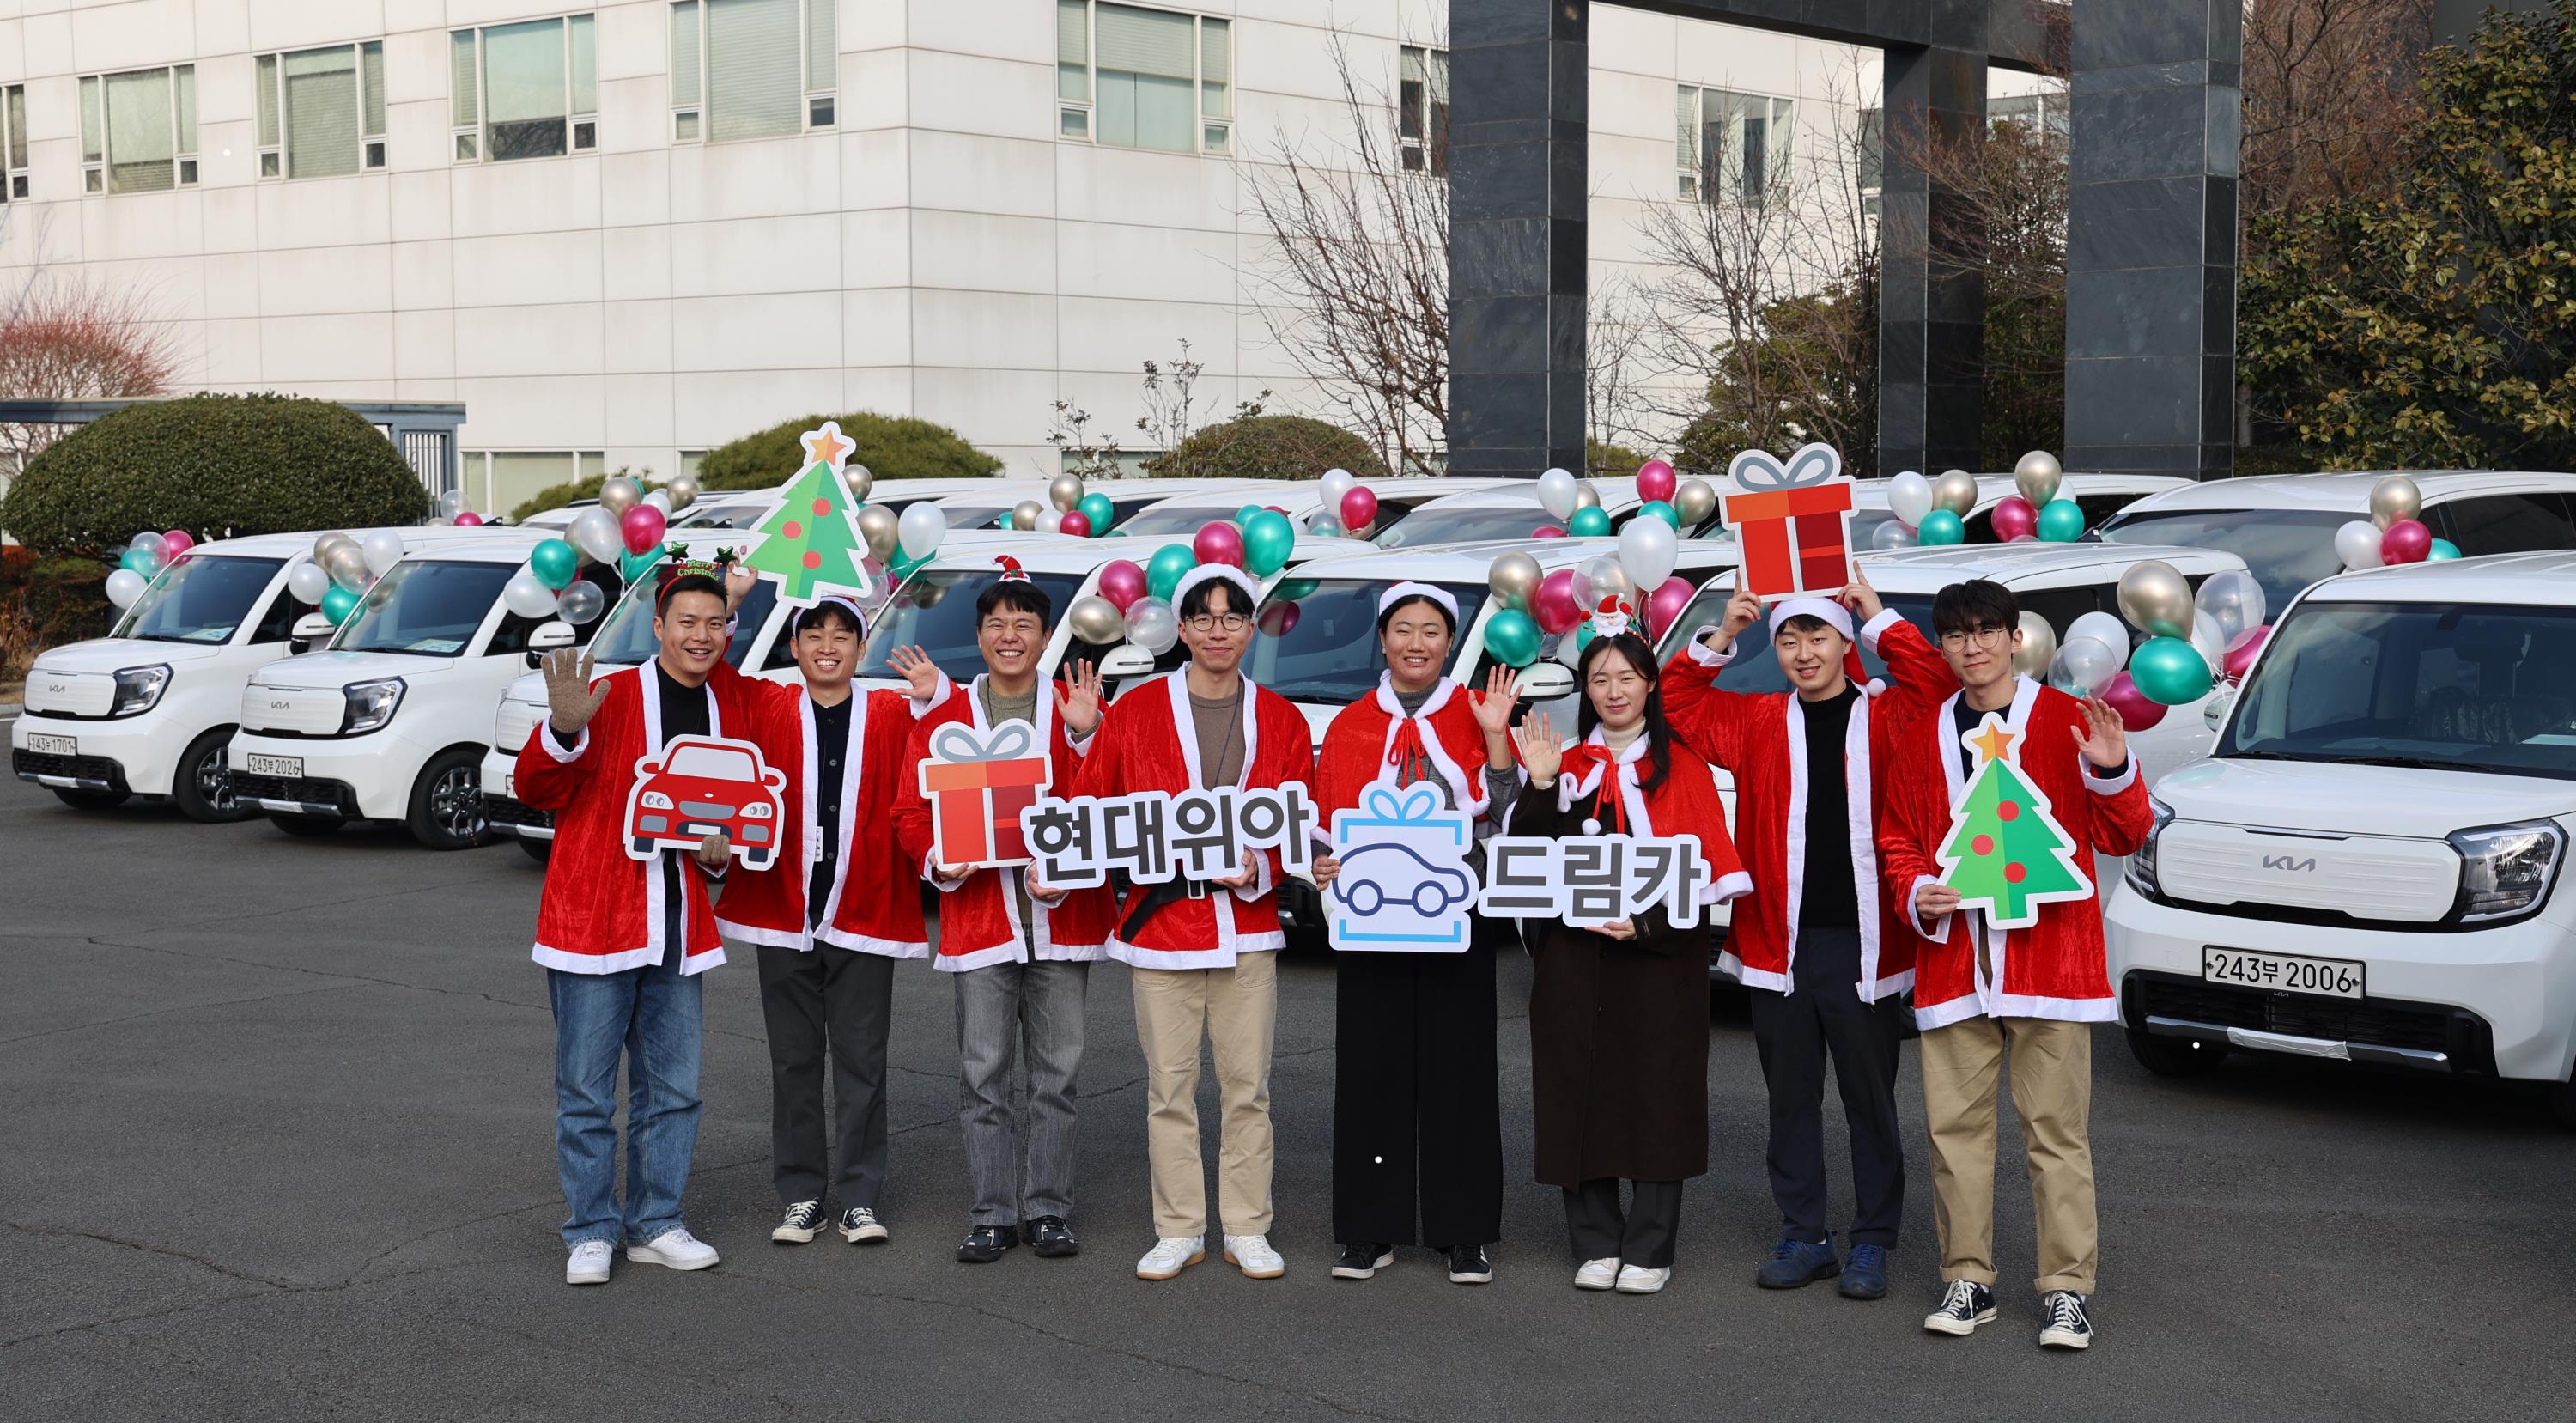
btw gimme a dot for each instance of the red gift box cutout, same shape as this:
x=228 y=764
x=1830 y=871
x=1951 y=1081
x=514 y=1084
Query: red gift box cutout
x=978 y=787
x=1792 y=522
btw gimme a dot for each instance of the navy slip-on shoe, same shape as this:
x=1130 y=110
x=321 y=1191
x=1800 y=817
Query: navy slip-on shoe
x=1795 y=1263
x=1865 y=1273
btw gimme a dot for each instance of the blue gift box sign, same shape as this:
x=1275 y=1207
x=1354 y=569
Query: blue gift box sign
x=1404 y=882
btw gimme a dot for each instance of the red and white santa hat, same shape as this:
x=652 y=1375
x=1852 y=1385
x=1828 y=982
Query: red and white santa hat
x=842 y=601
x=1438 y=597
x=1833 y=615
x=1234 y=577
x=1011 y=570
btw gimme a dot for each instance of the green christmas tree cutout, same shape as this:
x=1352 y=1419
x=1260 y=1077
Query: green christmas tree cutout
x=2005 y=852
x=812 y=538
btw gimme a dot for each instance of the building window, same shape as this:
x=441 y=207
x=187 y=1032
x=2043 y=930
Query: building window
x=322 y=111
x=528 y=90
x=497 y=481
x=1730 y=147
x=1129 y=77
x=1422 y=110
x=752 y=68
x=1870 y=155
x=2032 y=111
x=14 y=143
x=138 y=131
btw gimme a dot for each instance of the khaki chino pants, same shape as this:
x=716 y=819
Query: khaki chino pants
x=2052 y=1093
x=1237 y=1010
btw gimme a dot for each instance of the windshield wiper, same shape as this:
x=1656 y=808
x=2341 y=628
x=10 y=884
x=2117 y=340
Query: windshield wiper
x=2414 y=763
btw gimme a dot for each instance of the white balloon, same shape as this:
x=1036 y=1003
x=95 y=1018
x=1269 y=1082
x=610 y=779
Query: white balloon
x=308 y=582
x=1152 y=625
x=153 y=545
x=1337 y=482
x=1051 y=521
x=2104 y=628
x=580 y=602
x=1556 y=494
x=1909 y=498
x=124 y=586
x=2235 y=599
x=1325 y=525
x=1892 y=533
x=2209 y=641
x=528 y=596
x=452 y=503
x=2083 y=666
x=920 y=529
x=383 y=550
x=2357 y=544
x=1648 y=547
x=595 y=532
x=660 y=499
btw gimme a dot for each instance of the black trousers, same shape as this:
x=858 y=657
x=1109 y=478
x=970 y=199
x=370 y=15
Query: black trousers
x=836 y=1003
x=1795 y=1033
x=1642 y=1235
x=1415 y=1105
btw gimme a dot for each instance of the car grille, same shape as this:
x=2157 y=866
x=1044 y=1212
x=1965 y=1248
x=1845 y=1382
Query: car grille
x=87 y=695
x=2380 y=1022
x=30 y=764
x=502 y=811
x=303 y=790
x=293 y=711
x=514 y=723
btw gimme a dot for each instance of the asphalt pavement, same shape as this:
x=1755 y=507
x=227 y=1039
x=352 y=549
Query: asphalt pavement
x=277 y=1145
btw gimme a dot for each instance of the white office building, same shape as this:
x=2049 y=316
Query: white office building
x=622 y=233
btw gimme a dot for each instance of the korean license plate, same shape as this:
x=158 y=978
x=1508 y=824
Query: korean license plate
x=2289 y=973
x=53 y=745
x=259 y=765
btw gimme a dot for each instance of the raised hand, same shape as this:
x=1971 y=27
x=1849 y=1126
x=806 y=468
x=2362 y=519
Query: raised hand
x=1743 y=610
x=738 y=583
x=1494 y=705
x=1081 y=698
x=915 y=667
x=2103 y=738
x=571 y=701
x=1540 y=755
x=1862 y=599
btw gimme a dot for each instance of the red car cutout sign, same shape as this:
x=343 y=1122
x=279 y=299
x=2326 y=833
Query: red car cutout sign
x=702 y=786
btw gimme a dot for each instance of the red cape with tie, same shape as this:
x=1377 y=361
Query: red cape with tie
x=1368 y=740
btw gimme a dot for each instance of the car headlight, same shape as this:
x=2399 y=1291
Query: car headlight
x=371 y=705
x=757 y=810
x=2142 y=865
x=138 y=690
x=2505 y=870
x=655 y=800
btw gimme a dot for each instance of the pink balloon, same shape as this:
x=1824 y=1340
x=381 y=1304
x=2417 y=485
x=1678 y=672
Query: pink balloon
x=1655 y=480
x=643 y=526
x=177 y=542
x=1278 y=618
x=1122 y=583
x=2406 y=541
x=1221 y=542
x=2136 y=712
x=1076 y=523
x=1547 y=531
x=468 y=519
x=1273 y=508
x=1666 y=603
x=2014 y=518
x=1359 y=509
x=2240 y=653
x=1557 y=607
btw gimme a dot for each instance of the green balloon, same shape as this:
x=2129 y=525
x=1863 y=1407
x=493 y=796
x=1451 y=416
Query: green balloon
x=1292 y=589
x=2169 y=671
x=1588 y=523
x=338 y=604
x=1243 y=516
x=2061 y=521
x=1661 y=510
x=1164 y=571
x=902 y=565
x=631 y=566
x=1941 y=527
x=1268 y=540
x=1513 y=636
x=556 y=563
x=2442 y=549
x=1097 y=508
x=137 y=561
x=1003 y=522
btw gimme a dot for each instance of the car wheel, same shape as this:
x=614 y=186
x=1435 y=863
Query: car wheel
x=203 y=787
x=447 y=801
x=642 y=847
x=537 y=850
x=90 y=800
x=2174 y=1057
x=306 y=826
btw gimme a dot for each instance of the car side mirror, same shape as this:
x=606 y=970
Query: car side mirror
x=1545 y=681
x=308 y=630
x=2215 y=710
x=548 y=636
x=1125 y=660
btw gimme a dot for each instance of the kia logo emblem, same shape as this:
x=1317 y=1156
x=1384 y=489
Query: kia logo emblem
x=2285 y=862
x=280 y=704
x=57 y=687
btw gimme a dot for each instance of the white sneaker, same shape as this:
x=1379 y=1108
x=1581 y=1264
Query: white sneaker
x=1254 y=1255
x=589 y=1263
x=1171 y=1255
x=675 y=1248
x=1597 y=1274
x=1638 y=1280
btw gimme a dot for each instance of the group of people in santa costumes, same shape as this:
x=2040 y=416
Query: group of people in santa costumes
x=1844 y=787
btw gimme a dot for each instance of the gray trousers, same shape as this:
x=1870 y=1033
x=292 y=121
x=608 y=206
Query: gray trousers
x=836 y=1005
x=1020 y=1163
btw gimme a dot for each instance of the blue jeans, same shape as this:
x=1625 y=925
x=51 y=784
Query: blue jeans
x=654 y=1014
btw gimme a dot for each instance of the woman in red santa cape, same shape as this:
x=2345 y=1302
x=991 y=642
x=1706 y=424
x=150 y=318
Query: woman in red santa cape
x=1414 y=1093
x=1619 y=1015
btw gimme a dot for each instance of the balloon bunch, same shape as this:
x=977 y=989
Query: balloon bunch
x=2036 y=511
x=1573 y=503
x=1532 y=606
x=2394 y=532
x=1928 y=511
x=2191 y=641
x=1349 y=509
x=1660 y=488
x=146 y=554
x=342 y=570
x=453 y=513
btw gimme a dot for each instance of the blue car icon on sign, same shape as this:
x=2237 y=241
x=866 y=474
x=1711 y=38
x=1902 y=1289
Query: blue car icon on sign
x=1437 y=888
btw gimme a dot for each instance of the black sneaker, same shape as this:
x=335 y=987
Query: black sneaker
x=1052 y=1238
x=2067 y=1326
x=1468 y=1265
x=1363 y=1261
x=804 y=1221
x=987 y=1243
x=1965 y=1304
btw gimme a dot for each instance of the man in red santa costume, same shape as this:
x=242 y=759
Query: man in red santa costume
x=622 y=939
x=1821 y=952
x=1019 y=953
x=1980 y=989
x=1202 y=952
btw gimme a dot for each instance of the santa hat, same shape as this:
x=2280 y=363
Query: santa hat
x=1011 y=570
x=1837 y=617
x=1438 y=597
x=1234 y=577
x=1612 y=617
x=842 y=601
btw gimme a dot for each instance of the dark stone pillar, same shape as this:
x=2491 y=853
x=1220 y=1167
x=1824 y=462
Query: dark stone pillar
x=1932 y=301
x=1520 y=93
x=2151 y=237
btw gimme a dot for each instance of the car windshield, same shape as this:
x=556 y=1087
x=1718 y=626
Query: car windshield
x=2286 y=549
x=626 y=639
x=429 y=607
x=2470 y=687
x=713 y=762
x=202 y=599
x=935 y=611
x=740 y=514
x=972 y=516
x=1329 y=654
x=1464 y=523
x=1176 y=519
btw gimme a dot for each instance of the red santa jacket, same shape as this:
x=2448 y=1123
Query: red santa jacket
x=602 y=910
x=1146 y=743
x=1685 y=804
x=979 y=916
x=1762 y=742
x=2057 y=968
x=874 y=907
x=1369 y=739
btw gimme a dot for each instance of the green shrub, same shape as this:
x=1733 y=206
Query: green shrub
x=217 y=466
x=1268 y=447
x=46 y=603
x=555 y=496
x=892 y=447
x=1608 y=460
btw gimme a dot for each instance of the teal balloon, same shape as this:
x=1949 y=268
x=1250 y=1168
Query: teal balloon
x=1661 y=510
x=1097 y=508
x=1243 y=516
x=338 y=604
x=136 y=560
x=1268 y=540
x=1513 y=636
x=1941 y=527
x=2061 y=521
x=2442 y=549
x=1164 y=571
x=557 y=563
x=1583 y=638
x=2169 y=671
x=631 y=566
x=902 y=565
x=1292 y=589
x=1586 y=524
x=1003 y=522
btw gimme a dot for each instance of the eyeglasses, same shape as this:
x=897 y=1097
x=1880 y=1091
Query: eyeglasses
x=1210 y=622
x=1988 y=635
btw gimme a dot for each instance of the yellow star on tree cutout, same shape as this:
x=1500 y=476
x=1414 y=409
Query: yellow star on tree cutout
x=1992 y=743
x=826 y=445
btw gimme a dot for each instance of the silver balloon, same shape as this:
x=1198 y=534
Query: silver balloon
x=859 y=479
x=595 y=531
x=1696 y=501
x=1585 y=496
x=2209 y=642
x=2156 y=599
x=1024 y=515
x=884 y=532
x=1892 y=534
x=2037 y=476
x=1065 y=492
x=580 y=602
x=1608 y=576
x=682 y=491
x=2235 y=600
x=1514 y=579
x=2395 y=498
x=1152 y=625
x=619 y=494
x=309 y=582
x=1956 y=491
x=322 y=545
x=440 y=522
x=2357 y=544
x=1325 y=525
x=1096 y=620
x=2038 y=646
x=347 y=566
x=1050 y=521
x=2082 y=666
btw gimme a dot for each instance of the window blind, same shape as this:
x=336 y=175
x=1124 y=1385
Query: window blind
x=18 y=126
x=91 y=124
x=1216 y=69
x=1146 y=42
x=822 y=46
x=1686 y=127
x=184 y=80
x=1073 y=49
x=753 y=57
x=523 y=89
x=585 y=66
x=684 y=53
x=321 y=112
x=371 y=87
x=138 y=132
x=460 y=70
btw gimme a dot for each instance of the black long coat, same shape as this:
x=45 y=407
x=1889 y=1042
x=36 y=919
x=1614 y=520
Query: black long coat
x=1618 y=1037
